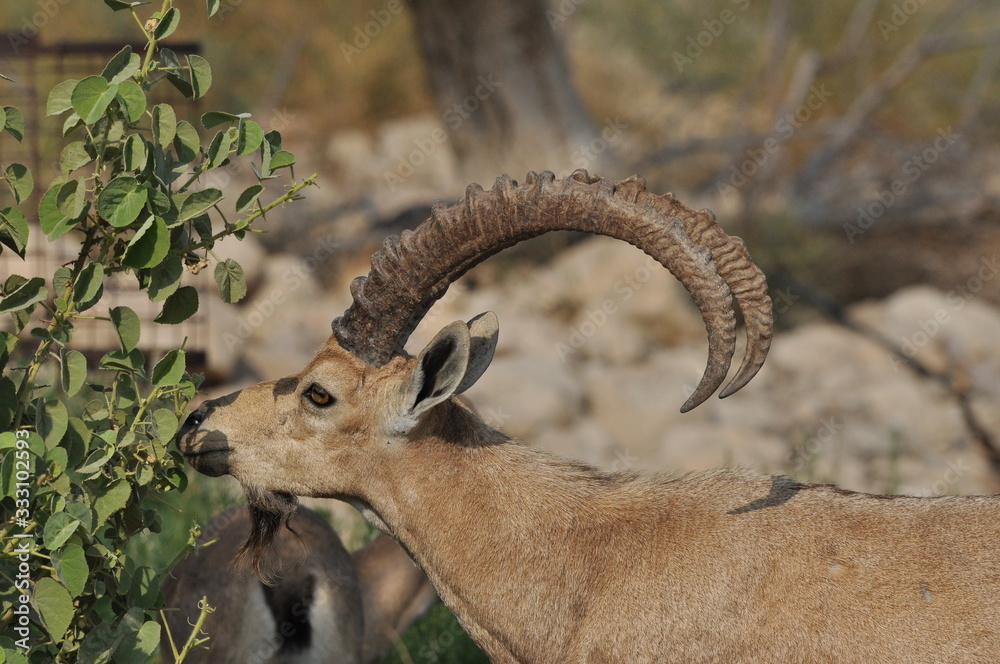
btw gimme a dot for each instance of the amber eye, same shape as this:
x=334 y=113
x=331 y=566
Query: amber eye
x=319 y=396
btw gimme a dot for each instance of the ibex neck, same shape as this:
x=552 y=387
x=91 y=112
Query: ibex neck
x=495 y=526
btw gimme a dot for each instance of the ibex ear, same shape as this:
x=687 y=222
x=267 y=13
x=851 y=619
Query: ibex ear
x=484 y=330
x=436 y=374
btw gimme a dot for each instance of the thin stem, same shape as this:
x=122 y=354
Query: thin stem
x=289 y=195
x=151 y=39
x=143 y=406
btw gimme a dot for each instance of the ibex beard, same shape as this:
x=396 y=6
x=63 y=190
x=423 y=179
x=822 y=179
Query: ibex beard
x=547 y=560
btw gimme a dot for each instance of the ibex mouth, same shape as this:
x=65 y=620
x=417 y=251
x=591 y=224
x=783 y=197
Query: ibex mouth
x=210 y=457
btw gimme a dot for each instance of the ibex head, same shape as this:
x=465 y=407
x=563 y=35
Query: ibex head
x=362 y=406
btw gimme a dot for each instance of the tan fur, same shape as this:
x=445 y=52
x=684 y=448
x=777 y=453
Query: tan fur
x=549 y=561
x=354 y=610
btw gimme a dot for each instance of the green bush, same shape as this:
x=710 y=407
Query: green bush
x=83 y=453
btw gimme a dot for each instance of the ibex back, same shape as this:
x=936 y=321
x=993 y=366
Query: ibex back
x=547 y=560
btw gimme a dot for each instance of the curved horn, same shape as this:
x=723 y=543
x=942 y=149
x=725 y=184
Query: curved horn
x=733 y=261
x=414 y=270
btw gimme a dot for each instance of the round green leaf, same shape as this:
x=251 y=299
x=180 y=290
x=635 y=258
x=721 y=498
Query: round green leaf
x=218 y=151
x=187 y=143
x=198 y=202
x=201 y=75
x=213 y=6
x=265 y=160
x=54 y=605
x=168 y=371
x=60 y=99
x=119 y=360
x=20 y=181
x=110 y=500
x=72 y=122
x=74 y=371
x=167 y=24
x=213 y=118
x=164 y=279
x=75 y=155
x=3 y=117
x=248 y=197
x=231 y=281
x=249 y=138
x=30 y=292
x=53 y=222
x=145 y=588
x=14 y=124
x=135 y=153
x=179 y=307
x=53 y=419
x=134 y=98
x=71 y=568
x=121 y=201
x=282 y=159
x=91 y=98
x=166 y=423
x=60 y=280
x=149 y=244
x=164 y=124
x=126 y=324
x=8 y=401
x=14 y=230
x=118 y=5
x=72 y=198
x=89 y=282
x=138 y=647
x=122 y=66
x=58 y=529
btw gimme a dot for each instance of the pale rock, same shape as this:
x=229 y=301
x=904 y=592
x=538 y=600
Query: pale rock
x=522 y=395
x=701 y=446
x=638 y=403
x=584 y=440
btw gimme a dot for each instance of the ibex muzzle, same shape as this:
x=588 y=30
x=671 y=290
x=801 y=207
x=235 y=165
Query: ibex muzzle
x=547 y=560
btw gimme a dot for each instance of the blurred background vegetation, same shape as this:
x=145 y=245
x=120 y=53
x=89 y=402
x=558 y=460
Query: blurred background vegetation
x=686 y=107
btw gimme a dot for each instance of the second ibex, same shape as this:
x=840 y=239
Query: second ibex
x=547 y=560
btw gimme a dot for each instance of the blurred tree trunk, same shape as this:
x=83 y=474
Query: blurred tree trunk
x=498 y=73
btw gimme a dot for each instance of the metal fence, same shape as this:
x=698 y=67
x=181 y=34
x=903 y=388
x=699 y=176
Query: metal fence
x=37 y=67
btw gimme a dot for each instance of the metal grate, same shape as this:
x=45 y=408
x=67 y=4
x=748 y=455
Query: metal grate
x=36 y=68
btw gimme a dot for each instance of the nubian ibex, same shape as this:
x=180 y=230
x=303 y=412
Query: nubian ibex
x=323 y=605
x=548 y=560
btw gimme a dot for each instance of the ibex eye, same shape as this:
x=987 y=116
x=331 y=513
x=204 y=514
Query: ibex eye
x=319 y=396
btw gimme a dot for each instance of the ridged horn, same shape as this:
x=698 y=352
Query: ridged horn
x=746 y=281
x=414 y=270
